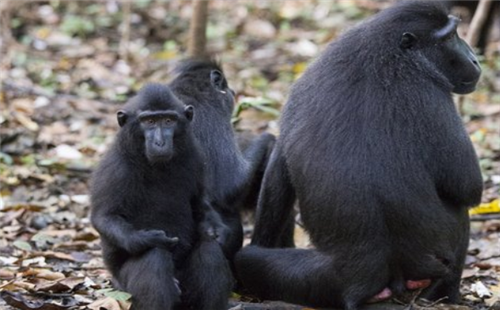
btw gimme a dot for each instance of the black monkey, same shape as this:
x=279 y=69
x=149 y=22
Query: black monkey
x=374 y=151
x=230 y=174
x=148 y=206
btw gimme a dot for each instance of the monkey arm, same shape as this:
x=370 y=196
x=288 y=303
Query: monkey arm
x=256 y=156
x=120 y=233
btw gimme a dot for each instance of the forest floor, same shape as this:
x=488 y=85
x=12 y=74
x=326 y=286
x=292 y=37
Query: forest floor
x=67 y=67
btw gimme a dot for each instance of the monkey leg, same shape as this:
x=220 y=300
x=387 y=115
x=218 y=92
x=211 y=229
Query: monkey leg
x=206 y=279
x=274 y=222
x=149 y=278
x=235 y=239
x=252 y=166
x=258 y=152
x=449 y=286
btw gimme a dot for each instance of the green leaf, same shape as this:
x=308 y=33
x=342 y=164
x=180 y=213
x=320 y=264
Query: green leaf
x=6 y=159
x=118 y=295
x=104 y=290
x=28 y=160
x=268 y=110
x=22 y=245
x=41 y=240
x=170 y=45
x=76 y=25
x=259 y=103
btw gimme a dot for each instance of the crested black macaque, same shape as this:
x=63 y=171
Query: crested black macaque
x=230 y=174
x=376 y=154
x=148 y=205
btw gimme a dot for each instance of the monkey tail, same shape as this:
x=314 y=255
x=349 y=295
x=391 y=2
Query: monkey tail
x=303 y=276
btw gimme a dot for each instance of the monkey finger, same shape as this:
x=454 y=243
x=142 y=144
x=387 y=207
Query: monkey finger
x=171 y=240
x=417 y=284
x=221 y=238
x=385 y=294
x=177 y=286
x=210 y=233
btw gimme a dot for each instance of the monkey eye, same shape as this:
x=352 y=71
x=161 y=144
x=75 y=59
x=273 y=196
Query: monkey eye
x=150 y=121
x=169 y=120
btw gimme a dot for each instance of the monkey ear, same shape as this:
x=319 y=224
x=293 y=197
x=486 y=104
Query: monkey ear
x=408 y=40
x=218 y=80
x=121 y=116
x=189 y=112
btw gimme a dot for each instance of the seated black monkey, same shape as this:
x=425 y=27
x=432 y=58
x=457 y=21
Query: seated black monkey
x=231 y=175
x=148 y=205
x=375 y=153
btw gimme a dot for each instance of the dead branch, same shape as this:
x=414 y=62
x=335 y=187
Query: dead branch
x=478 y=21
x=198 y=29
x=125 y=39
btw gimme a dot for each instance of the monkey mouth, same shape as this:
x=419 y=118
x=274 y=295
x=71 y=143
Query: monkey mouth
x=467 y=87
x=469 y=83
x=159 y=159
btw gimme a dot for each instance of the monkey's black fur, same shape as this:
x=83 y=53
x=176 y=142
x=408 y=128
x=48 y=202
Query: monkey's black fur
x=372 y=147
x=148 y=206
x=230 y=174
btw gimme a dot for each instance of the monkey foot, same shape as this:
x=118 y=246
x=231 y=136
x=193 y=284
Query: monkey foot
x=418 y=284
x=385 y=294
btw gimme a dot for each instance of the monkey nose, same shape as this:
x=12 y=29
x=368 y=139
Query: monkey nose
x=473 y=59
x=159 y=143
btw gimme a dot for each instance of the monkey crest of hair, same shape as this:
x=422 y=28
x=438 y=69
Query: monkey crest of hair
x=376 y=154
x=196 y=65
x=155 y=97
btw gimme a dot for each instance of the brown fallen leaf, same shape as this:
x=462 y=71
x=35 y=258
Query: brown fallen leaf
x=72 y=282
x=60 y=233
x=469 y=273
x=81 y=257
x=7 y=274
x=59 y=286
x=52 y=286
x=90 y=235
x=10 y=216
x=43 y=274
x=26 y=121
x=17 y=285
x=18 y=301
x=52 y=254
x=77 y=245
x=24 y=105
x=495 y=299
x=34 y=207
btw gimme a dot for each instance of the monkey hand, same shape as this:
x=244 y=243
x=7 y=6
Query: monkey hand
x=213 y=228
x=158 y=238
x=146 y=239
x=177 y=286
x=219 y=233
